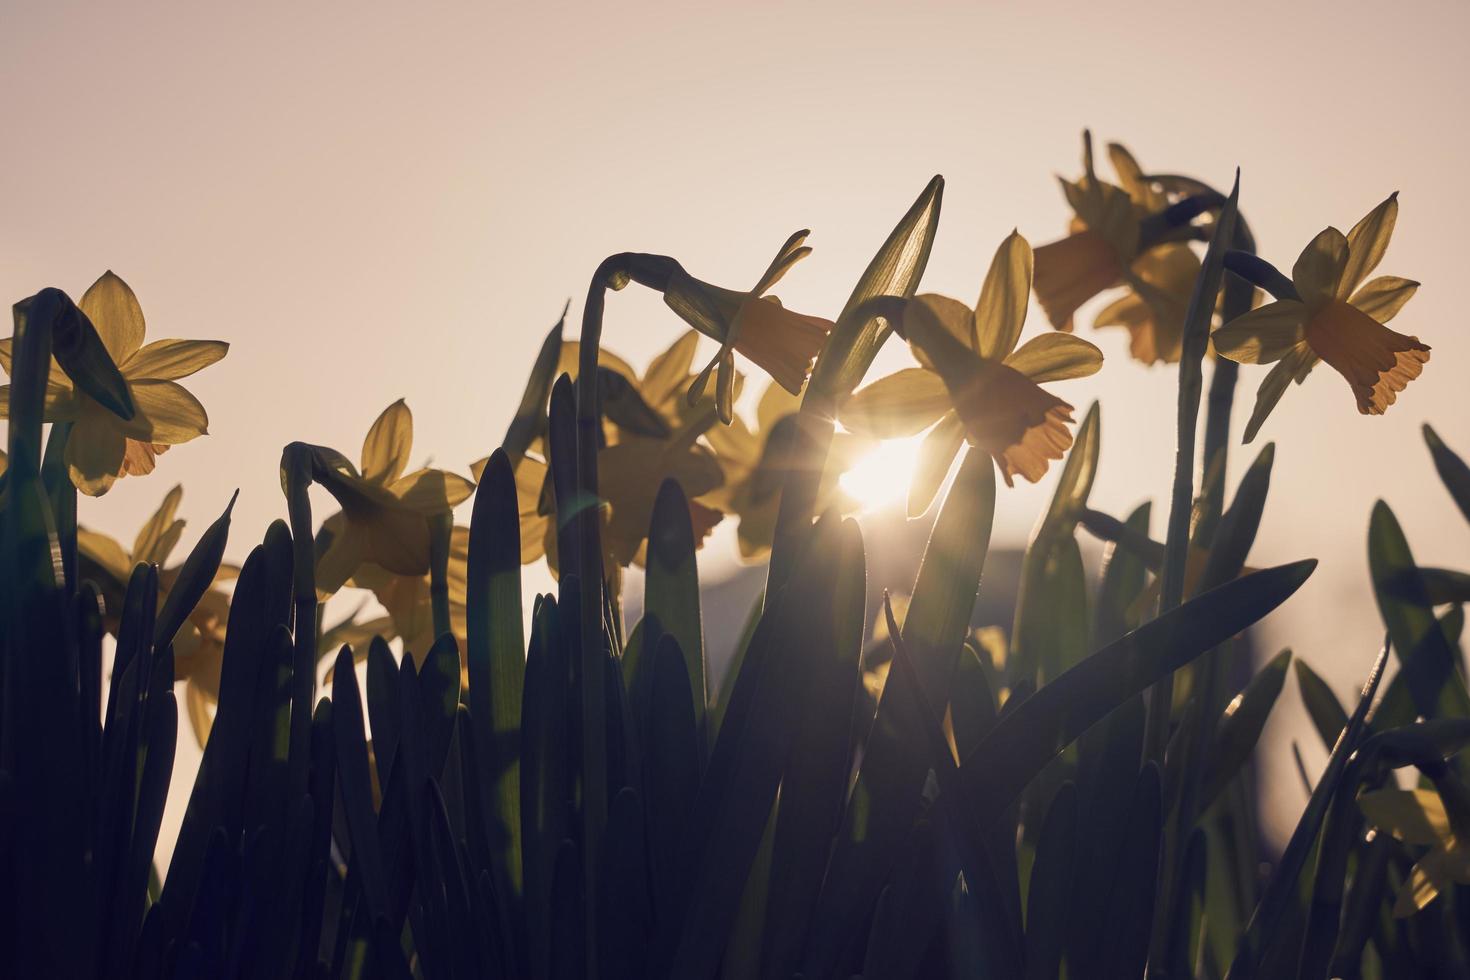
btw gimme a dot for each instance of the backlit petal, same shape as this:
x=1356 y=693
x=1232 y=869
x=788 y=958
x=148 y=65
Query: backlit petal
x=1377 y=362
x=430 y=491
x=1264 y=335
x=1382 y=298
x=1367 y=241
x=936 y=456
x=1001 y=310
x=1291 y=367
x=114 y=310
x=780 y=342
x=166 y=413
x=169 y=360
x=94 y=454
x=899 y=405
x=1319 y=268
x=957 y=319
x=389 y=441
x=669 y=370
x=1056 y=357
x=1073 y=270
x=1012 y=417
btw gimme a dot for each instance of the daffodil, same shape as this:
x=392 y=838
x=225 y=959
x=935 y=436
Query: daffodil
x=384 y=516
x=1336 y=317
x=780 y=342
x=101 y=446
x=1418 y=818
x=636 y=457
x=756 y=462
x=409 y=602
x=974 y=383
x=199 y=644
x=1106 y=249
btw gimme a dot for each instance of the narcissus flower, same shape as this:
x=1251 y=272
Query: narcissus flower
x=199 y=645
x=409 y=603
x=1105 y=250
x=1335 y=317
x=103 y=447
x=756 y=462
x=1419 y=818
x=975 y=383
x=780 y=342
x=384 y=516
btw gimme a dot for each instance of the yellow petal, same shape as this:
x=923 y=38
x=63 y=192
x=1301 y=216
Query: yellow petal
x=1377 y=362
x=1319 y=268
x=669 y=370
x=169 y=360
x=389 y=441
x=139 y=457
x=570 y=360
x=1382 y=298
x=166 y=413
x=200 y=717
x=153 y=530
x=936 y=456
x=776 y=403
x=899 y=405
x=778 y=341
x=957 y=319
x=114 y=310
x=1414 y=816
x=1264 y=335
x=94 y=454
x=1436 y=871
x=1291 y=367
x=431 y=491
x=105 y=552
x=1056 y=357
x=790 y=253
x=1130 y=176
x=55 y=376
x=338 y=563
x=60 y=403
x=1001 y=310
x=1071 y=271
x=1367 y=241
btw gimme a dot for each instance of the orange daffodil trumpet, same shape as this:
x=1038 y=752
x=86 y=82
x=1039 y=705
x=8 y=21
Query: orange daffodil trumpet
x=103 y=446
x=1120 y=237
x=974 y=383
x=1328 y=312
x=778 y=341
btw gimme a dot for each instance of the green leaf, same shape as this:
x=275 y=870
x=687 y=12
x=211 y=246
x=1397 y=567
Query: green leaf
x=530 y=416
x=1047 y=924
x=495 y=661
x=1452 y=470
x=671 y=589
x=194 y=577
x=1129 y=913
x=1124 y=575
x=1028 y=737
x=1326 y=712
x=1240 y=728
x=887 y=795
x=671 y=763
x=1424 y=655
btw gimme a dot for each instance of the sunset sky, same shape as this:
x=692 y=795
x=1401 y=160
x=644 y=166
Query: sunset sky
x=371 y=201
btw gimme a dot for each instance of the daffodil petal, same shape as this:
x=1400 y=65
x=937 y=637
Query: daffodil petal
x=899 y=405
x=1319 y=268
x=114 y=310
x=166 y=413
x=170 y=360
x=1414 y=816
x=1001 y=310
x=1382 y=298
x=669 y=370
x=1264 y=335
x=94 y=455
x=386 y=447
x=1274 y=385
x=431 y=491
x=338 y=563
x=154 y=530
x=936 y=456
x=105 y=552
x=1367 y=241
x=955 y=317
x=1377 y=362
x=60 y=403
x=55 y=375
x=1056 y=357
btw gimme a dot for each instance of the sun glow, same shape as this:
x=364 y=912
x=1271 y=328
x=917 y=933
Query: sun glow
x=880 y=478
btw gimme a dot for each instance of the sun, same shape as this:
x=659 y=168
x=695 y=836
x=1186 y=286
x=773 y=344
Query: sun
x=880 y=478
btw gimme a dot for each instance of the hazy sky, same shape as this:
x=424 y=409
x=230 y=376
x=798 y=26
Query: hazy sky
x=371 y=201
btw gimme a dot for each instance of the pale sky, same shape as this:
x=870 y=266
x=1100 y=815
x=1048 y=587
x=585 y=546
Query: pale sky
x=372 y=201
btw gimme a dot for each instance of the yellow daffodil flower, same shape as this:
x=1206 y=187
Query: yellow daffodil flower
x=409 y=603
x=975 y=383
x=780 y=342
x=384 y=512
x=756 y=463
x=1418 y=818
x=103 y=447
x=1336 y=317
x=661 y=388
x=199 y=645
x=1103 y=251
